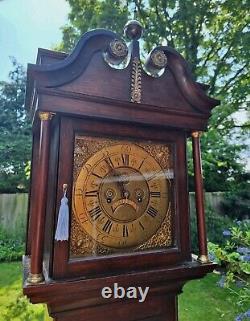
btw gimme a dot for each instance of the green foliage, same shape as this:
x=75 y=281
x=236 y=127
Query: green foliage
x=237 y=202
x=11 y=249
x=215 y=224
x=214 y=37
x=203 y=300
x=234 y=258
x=15 y=129
x=14 y=306
x=21 y=310
x=89 y=14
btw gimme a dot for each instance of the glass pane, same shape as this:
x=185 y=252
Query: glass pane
x=122 y=198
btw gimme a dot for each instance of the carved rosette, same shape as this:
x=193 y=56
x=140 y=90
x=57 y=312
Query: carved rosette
x=118 y=48
x=159 y=59
x=136 y=93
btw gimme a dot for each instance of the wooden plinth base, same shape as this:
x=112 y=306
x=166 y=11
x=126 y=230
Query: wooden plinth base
x=81 y=300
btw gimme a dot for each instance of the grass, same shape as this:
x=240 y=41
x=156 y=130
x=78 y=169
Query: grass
x=14 y=307
x=201 y=299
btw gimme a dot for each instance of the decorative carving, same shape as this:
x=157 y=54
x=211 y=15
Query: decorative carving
x=163 y=237
x=81 y=244
x=118 y=48
x=116 y=55
x=159 y=59
x=136 y=81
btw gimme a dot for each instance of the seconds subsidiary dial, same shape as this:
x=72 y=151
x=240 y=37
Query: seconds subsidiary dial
x=121 y=196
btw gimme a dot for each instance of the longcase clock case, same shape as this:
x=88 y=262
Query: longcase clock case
x=96 y=101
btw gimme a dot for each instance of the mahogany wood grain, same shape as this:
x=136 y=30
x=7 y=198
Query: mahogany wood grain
x=86 y=63
x=81 y=298
x=34 y=188
x=40 y=205
x=78 y=104
x=51 y=192
x=199 y=196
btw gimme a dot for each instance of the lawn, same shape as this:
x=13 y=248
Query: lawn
x=201 y=299
x=204 y=300
x=14 y=307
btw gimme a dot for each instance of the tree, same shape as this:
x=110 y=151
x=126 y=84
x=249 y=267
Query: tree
x=213 y=36
x=15 y=129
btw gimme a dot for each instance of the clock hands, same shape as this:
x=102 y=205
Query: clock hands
x=121 y=179
x=120 y=183
x=119 y=176
x=124 y=192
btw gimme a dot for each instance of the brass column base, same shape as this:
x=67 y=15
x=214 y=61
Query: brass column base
x=203 y=259
x=35 y=278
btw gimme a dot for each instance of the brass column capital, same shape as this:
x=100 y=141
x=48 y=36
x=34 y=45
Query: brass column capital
x=196 y=134
x=46 y=115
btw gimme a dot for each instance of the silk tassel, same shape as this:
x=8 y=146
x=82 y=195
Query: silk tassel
x=62 y=229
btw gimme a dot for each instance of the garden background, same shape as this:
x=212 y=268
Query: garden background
x=213 y=36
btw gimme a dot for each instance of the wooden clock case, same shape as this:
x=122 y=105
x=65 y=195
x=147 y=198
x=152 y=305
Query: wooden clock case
x=82 y=93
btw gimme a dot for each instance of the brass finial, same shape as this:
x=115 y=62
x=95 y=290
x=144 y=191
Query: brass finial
x=133 y=30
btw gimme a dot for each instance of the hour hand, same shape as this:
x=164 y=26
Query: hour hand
x=120 y=183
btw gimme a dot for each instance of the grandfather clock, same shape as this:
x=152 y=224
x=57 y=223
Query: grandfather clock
x=108 y=224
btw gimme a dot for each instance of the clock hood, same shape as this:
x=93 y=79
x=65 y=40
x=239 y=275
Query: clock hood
x=104 y=77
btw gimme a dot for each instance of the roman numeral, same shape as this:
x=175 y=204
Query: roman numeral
x=107 y=226
x=155 y=194
x=141 y=225
x=125 y=231
x=152 y=176
x=125 y=159
x=95 y=213
x=109 y=162
x=152 y=211
x=141 y=164
x=96 y=175
x=91 y=194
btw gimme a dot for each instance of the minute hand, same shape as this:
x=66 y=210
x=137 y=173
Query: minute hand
x=120 y=183
x=116 y=174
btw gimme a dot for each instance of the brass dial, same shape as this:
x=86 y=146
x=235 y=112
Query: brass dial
x=121 y=196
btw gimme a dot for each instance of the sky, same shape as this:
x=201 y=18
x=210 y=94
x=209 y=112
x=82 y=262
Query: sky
x=26 y=25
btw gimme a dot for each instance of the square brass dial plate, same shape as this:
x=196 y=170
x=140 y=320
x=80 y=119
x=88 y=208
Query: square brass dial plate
x=122 y=197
